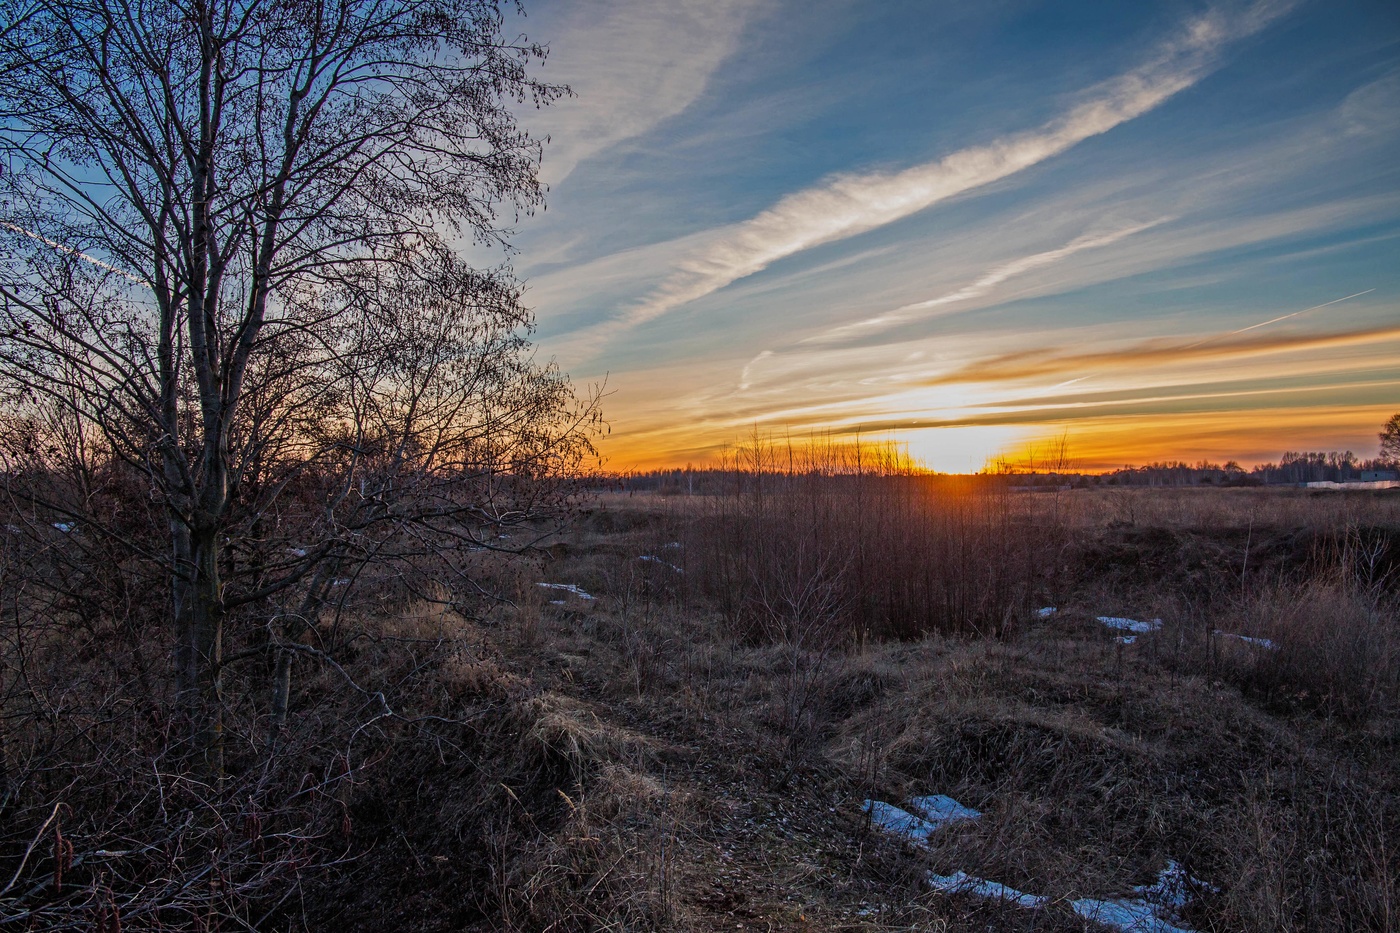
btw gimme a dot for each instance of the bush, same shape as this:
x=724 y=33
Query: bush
x=854 y=541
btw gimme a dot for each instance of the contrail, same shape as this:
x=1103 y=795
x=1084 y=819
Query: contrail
x=1212 y=339
x=74 y=252
x=985 y=283
x=1282 y=317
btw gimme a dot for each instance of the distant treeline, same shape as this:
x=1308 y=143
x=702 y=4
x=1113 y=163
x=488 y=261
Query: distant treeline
x=1293 y=468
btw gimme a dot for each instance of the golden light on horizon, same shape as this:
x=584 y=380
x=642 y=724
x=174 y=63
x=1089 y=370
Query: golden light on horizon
x=1090 y=445
x=968 y=449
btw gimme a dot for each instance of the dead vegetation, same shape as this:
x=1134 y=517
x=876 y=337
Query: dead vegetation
x=744 y=732
x=676 y=753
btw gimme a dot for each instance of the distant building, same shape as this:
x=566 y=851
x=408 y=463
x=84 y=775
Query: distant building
x=1379 y=476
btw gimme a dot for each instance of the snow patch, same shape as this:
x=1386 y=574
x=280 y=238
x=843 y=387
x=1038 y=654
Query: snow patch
x=1131 y=625
x=568 y=588
x=1046 y=612
x=1154 y=909
x=941 y=810
x=65 y=527
x=892 y=819
x=657 y=560
x=1126 y=639
x=1264 y=643
x=962 y=883
x=1174 y=888
x=1130 y=916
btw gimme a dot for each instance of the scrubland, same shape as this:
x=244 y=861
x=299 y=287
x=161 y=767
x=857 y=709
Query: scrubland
x=680 y=732
x=701 y=734
x=807 y=643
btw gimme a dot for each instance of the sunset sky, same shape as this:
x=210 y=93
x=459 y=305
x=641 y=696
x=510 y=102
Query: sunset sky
x=1160 y=230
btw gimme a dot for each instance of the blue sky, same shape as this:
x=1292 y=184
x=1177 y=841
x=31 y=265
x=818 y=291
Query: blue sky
x=974 y=227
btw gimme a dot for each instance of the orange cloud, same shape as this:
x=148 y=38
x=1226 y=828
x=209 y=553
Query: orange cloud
x=1029 y=364
x=1240 y=396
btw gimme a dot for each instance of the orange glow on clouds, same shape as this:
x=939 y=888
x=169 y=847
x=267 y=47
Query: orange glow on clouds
x=1124 y=402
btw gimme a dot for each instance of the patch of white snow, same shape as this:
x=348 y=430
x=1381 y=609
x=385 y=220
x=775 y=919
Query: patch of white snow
x=962 y=883
x=1131 y=625
x=1046 y=612
x=1129 y=916
x=1264 y=643
x=566 y=587
x=941 y=810
x=892 y=819
x=1174 y=888
x=657 y=560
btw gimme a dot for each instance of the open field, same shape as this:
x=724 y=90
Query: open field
x=670 y=714
x=711 y=750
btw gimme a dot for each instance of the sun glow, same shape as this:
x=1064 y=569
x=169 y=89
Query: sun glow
x=967 y=449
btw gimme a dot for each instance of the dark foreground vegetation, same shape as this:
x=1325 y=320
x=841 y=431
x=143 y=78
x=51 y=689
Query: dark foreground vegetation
x=253 y=404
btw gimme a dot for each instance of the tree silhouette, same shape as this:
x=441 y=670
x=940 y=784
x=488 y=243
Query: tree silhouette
x=1390 y=438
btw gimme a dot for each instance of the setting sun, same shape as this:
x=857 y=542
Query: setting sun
x=1131 y=235
x=970 y=449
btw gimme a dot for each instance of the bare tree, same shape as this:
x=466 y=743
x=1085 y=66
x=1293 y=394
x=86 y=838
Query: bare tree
x=224 y=221
x=1390 y=439
x=247 y=389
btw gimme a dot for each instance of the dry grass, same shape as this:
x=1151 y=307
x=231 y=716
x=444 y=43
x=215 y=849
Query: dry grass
x=689 y=750
x=875 y=556
x=1206 y=507
x=722 y=737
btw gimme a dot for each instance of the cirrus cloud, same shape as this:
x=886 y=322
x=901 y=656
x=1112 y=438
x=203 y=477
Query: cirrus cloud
x=850 y=204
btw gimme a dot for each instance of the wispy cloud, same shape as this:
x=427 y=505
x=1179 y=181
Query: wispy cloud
x=848 y=205
x=794 y=391
x=744 y=382
x=1260 y=406
x=984 y=284
x=1030 y=364
x=1372 y=107
x=631 y=65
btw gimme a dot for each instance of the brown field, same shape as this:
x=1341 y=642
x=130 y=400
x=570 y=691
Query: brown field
x=690 y=749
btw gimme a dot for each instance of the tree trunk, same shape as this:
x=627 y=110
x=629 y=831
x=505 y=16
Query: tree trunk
x=281 y=694
x=293 y=628
x=198 y=604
